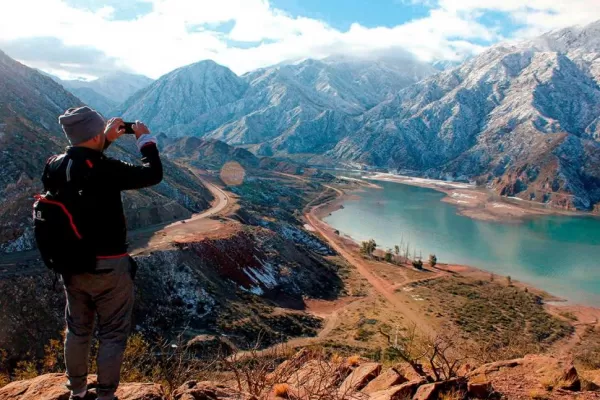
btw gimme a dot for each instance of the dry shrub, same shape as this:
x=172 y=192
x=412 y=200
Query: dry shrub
x=453 y=394
x=311 y=373
x=25 y=370
x=4 y=379
x=281 y=390
x=441 y=355
x=169 y=363
x=4 y=376
x=353 y=361
x=337 y=358
x=254 y=371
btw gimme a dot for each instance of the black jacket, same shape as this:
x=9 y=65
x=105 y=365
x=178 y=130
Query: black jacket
x=102 y=179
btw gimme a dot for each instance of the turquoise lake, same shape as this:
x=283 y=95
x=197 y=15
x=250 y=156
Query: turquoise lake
x=556 y=253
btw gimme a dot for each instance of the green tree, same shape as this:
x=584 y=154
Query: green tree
x=509 y=280
x=418 y=264
x=432 y=260
x=368 y=248
x=397 y=250
x=388 y=256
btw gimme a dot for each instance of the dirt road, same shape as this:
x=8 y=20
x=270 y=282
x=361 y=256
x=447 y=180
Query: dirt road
x=16 y=263
x=382 y=287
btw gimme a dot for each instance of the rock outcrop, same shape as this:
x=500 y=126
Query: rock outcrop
x=52 y=387
x=307 y=375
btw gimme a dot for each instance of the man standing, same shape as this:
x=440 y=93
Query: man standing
x=107 y=291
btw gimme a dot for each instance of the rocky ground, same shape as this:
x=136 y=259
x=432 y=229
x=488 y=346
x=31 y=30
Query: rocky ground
x=313 y=375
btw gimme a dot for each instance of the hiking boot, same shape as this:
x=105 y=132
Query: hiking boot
x=82 y=395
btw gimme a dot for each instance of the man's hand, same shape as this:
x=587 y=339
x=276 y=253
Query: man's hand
x=114 y=129
x=140 y=129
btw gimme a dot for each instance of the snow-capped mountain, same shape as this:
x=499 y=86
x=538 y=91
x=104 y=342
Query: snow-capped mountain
x=523 y=118
x=303 y=107
x=181 y=96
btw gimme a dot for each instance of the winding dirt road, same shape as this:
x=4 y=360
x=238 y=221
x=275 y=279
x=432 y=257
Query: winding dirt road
x=383 y=288
x=14 y=264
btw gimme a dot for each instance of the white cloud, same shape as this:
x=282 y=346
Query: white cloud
x=537 y=16
x=179 y=32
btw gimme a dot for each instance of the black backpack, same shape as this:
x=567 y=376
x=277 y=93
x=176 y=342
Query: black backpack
x=58 y=218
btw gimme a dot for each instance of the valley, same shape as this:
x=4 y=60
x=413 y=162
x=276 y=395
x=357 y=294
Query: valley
x=466 y=232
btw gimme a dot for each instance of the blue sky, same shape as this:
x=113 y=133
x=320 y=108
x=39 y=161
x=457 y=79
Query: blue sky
x=342 y=14
x=90 y=38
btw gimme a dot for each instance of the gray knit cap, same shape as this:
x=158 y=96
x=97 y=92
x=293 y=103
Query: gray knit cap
x=81 y=124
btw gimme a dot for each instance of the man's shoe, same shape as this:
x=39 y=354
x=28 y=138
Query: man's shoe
x=82 y=395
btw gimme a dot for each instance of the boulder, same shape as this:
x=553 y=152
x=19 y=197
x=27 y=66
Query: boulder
x=141 y=391
x=480 y=390
x=531 y=371
x=592 y=379
x=432 y=390
x=52 y=387
x=384 y=381
x=398 y=392
x=359 y=378
x=427 y=392
x=194 y=390
x=570 y=379
x=285 y=370
x=495 y=367
x=407 y=371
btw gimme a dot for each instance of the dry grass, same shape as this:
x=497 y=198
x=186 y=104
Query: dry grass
x=452 y=395
x=507 y=321
x=537 y=394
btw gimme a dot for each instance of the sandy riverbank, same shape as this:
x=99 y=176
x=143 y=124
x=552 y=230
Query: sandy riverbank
x=476 y=202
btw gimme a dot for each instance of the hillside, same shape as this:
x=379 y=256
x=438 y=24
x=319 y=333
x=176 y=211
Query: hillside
x=522 y=119
x=30 y=104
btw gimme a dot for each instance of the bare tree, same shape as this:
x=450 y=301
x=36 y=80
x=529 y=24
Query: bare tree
x=440 y=352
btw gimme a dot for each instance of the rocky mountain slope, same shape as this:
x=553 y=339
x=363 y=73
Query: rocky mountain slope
x=29 y=133
x=304 y=107
x=521 y=118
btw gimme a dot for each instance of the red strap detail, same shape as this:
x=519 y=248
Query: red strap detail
x=43 y=199
x=89 y=163
x=111 y=257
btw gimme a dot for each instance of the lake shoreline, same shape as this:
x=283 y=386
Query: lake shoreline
x=479 y=203
x=556 y=305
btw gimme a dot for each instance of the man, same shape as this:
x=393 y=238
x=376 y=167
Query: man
x=106 y=292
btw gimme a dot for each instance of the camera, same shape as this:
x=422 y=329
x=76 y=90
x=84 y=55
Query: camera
x=128 y=127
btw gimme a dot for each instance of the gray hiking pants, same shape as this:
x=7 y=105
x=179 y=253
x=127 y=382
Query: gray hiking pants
x=109 y=295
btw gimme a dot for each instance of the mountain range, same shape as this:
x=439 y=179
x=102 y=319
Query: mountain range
x=521 y=118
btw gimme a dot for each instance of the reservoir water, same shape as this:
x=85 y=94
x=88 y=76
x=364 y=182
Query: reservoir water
x=559 y=254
